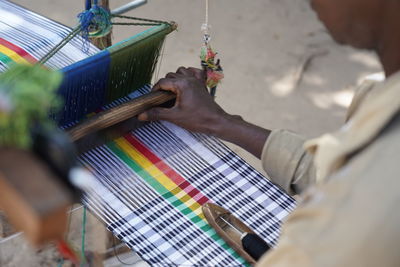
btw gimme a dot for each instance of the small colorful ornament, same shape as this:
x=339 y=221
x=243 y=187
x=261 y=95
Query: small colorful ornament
x=209 y=63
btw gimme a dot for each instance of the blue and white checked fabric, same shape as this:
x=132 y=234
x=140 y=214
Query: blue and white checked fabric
x=157 y=230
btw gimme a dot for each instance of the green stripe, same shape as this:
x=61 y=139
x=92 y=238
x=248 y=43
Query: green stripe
x=5 y=59
x=137 y=169
x=177 y=203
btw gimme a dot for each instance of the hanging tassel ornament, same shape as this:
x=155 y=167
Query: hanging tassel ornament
x=210 y=65
x=95 y=21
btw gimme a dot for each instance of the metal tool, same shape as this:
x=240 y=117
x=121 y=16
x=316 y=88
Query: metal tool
x=125 y=8
x=252 y=243
x=237 y=234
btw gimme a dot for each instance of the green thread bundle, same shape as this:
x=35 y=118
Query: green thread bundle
x=27 y=95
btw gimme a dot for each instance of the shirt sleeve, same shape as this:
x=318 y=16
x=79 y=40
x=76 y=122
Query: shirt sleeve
x=349 y=220
x=287 y=163
x=359 y=96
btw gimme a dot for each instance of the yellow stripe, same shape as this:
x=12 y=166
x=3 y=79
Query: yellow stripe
x=13 y=55
x=199 y=212
x=150 y=168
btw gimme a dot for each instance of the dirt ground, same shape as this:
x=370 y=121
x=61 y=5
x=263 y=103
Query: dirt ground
x=282 y=69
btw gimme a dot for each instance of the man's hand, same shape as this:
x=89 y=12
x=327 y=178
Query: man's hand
x=194 y=109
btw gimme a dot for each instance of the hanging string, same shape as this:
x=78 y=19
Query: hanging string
x=83 y=256
x=206 y=20
x=60 y=45
x=61 y=261
x=65 y=249
x=211 y=66
x=96 y=22
x=146 y=22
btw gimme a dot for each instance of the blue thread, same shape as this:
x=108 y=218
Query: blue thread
x=85 y=20
x=84 y=87
x=95 y=22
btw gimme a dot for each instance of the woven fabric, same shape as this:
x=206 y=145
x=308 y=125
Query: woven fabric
x=151 y=183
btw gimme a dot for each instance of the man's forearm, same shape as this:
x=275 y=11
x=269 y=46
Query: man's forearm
x=246 y=135
x=195 y=110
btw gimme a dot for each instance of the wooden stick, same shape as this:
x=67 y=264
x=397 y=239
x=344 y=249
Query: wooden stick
x=118 y=114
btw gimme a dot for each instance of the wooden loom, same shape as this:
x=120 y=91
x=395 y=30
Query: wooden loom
x=153 y=181
x=88 y=85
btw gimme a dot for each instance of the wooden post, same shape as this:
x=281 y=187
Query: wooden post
x=32 y=197
x=105 y=41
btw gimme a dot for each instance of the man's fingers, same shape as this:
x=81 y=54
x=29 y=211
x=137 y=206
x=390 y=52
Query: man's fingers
x=156 y=114
x=173 y=75
x=167 y=84
x=198 y=73
x=184 y=71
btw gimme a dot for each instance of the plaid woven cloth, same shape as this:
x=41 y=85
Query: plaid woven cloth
x=151 y=183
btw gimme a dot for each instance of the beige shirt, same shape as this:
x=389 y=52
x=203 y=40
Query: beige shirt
x=349 y=182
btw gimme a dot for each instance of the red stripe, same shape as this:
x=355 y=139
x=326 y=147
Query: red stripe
x=164 y=168
x=18 y=50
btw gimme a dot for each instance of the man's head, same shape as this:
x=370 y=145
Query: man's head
x=354 y=22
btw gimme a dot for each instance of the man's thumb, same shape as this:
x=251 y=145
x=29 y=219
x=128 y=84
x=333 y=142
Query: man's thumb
x=155 y=114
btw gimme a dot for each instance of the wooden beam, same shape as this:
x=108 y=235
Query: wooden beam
x=118 y=114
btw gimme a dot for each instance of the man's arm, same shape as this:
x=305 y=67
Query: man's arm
x=282 y=153
x=196 y=110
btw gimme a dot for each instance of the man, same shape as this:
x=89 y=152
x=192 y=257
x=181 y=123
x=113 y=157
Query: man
x=348 y=180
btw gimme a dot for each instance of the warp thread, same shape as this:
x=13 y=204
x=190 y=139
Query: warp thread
x=83 y=256
x=96 y=22
x=65 y=249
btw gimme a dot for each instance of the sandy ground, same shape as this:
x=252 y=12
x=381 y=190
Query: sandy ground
x=264 y=45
